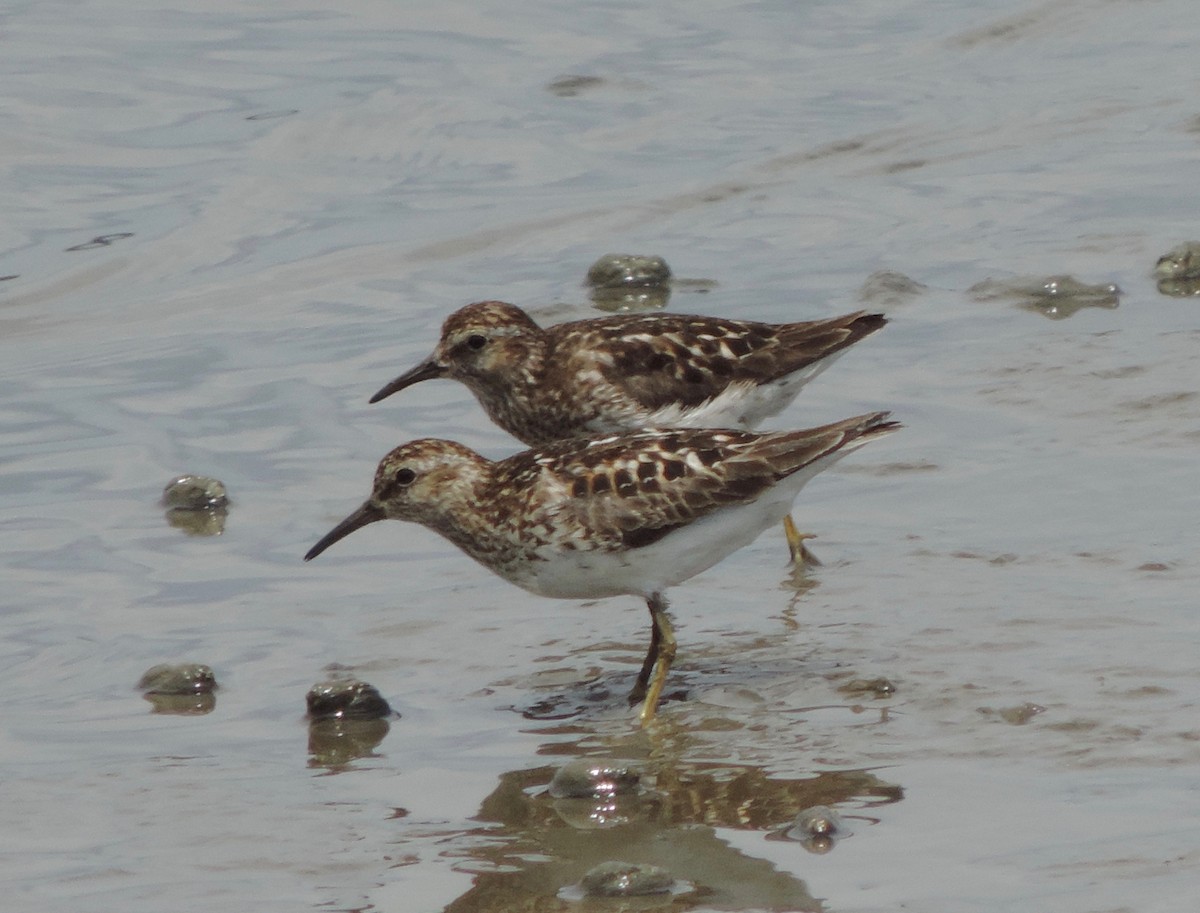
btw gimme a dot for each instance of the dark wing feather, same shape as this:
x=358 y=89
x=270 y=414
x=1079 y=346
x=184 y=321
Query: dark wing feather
x=630 y=490
x=667 y=359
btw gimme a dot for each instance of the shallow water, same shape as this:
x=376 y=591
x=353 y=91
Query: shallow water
x=228 y=226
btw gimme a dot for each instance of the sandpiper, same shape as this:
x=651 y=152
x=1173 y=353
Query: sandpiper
x=611 y=515
x=632 y=371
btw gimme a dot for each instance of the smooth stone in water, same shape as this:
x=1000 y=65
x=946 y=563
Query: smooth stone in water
x=878 y=687
x=818 y=828
x=1178 y=271
x=1049 y=288
x=623 y=270
x=593 y=779
x=1056 y=297
x=1180 y=262
x=346 y=699
x=818 y=821
x=1018 y=715
x=626 y=879
x=888 y=287
x=178 y=678
x=630 y=282
x=191 y=492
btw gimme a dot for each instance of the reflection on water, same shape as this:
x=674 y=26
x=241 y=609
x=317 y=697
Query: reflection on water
x=625 y=879
x=336 y=743
x=534 y=845
x=817 y=829
x=182 y=704
x=207 y=522
x=1056 y=297
x=889 y=289
x=1179 y=288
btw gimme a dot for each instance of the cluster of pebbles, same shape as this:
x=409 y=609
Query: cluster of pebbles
x=347 y=717
x=629 y=282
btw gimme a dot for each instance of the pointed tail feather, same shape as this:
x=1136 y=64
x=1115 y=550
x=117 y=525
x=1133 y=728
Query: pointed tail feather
x=791 y=451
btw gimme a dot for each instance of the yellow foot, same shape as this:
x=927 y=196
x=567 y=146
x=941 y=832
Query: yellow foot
x=666 y=656
x=654 y=692
x=801 y=556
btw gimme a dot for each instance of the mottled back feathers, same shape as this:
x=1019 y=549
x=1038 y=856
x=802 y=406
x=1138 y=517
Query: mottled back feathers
x=629 y=371
x=608 y=493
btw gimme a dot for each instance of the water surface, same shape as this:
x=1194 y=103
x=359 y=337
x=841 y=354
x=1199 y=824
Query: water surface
x=227 y=226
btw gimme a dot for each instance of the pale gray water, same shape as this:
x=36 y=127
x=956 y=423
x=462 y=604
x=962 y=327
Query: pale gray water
x=309 y=190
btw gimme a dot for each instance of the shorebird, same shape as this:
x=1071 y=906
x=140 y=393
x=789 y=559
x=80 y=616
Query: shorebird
x=631 y=371
x=617 y=514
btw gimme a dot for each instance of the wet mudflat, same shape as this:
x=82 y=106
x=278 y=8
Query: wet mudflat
x=227 y=227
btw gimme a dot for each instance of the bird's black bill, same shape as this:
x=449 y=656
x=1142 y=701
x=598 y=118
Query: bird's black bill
x=366 y=514
x=426 y=370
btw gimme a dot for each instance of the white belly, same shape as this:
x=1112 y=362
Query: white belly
x=741 y=405
x=676 y=557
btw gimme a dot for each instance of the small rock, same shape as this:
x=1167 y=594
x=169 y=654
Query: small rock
x=593 y=779
x=888 y=288
x=877 y=687
x=191 y=492
x=626 y=879
x=1180 y=262
x=624 y=270
x=817 y=828
x=1018 y=715
x=346 y=699
x=818 y=821
x=178 y=678
x=1056 y=297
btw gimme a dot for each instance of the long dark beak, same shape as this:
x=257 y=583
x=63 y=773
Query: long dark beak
x=426 y=370
x=366 y=514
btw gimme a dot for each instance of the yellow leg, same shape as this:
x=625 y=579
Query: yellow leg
x=638 y=693
x=666 y=655
x=795 y=539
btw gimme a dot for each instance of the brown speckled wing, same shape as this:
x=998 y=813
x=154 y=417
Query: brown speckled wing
x=668 y=359
x=668 y=480
x=630 y=491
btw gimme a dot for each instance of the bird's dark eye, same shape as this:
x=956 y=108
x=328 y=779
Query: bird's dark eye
x=405 y=476
x=476 y=341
